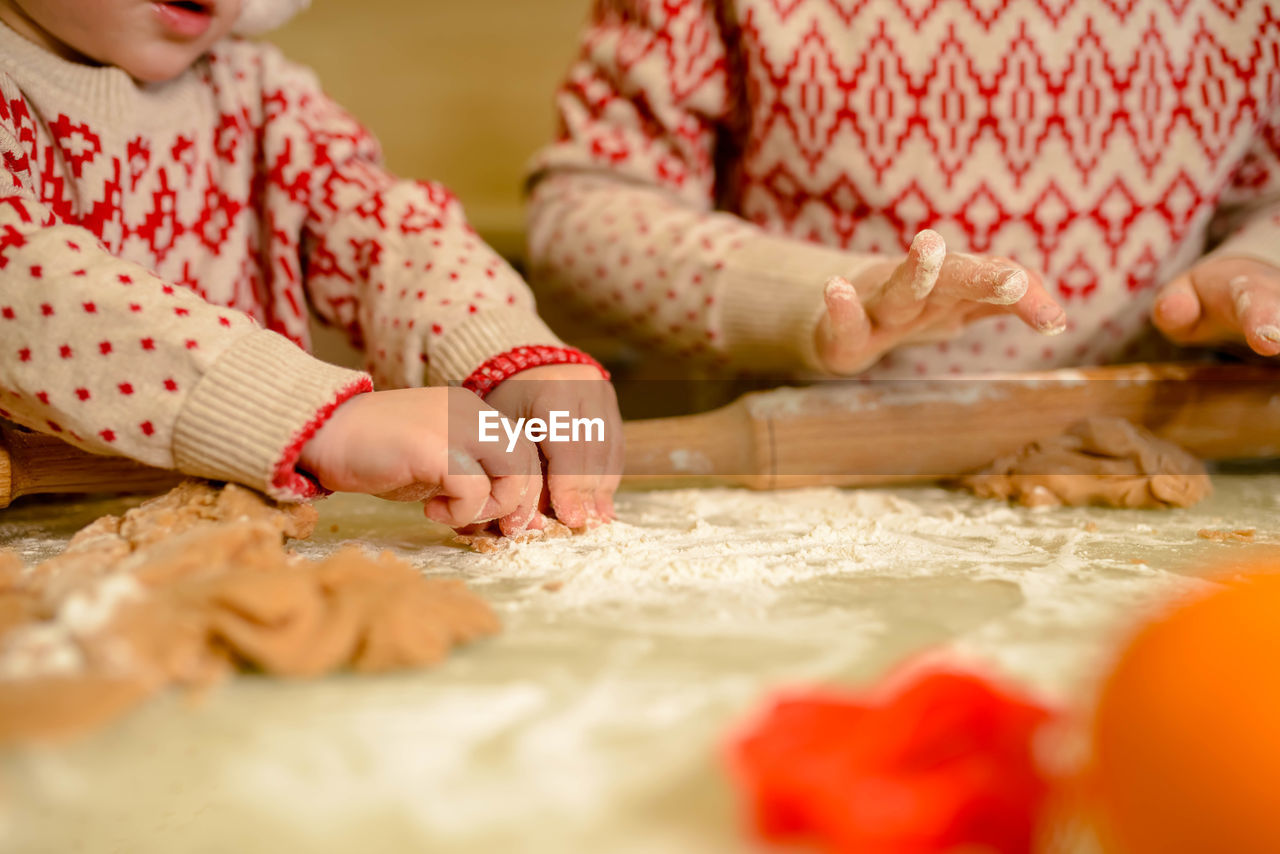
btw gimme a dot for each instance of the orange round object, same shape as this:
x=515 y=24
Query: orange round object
x=1187 y=732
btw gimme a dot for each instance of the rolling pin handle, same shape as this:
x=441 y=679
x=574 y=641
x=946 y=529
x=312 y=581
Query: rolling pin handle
x=6 y=473
x=34 y=463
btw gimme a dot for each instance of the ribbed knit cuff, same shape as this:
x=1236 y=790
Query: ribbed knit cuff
x=248 y=417
x=771 y=300
x=482 y=337
x=504 y=366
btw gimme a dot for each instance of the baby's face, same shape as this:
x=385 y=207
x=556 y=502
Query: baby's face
x=150 y=40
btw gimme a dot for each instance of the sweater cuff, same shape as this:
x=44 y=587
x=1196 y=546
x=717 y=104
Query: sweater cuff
x=1259 y=240
x=467 y=347
x=249 y=416
x=503 y=367
x=772 y=299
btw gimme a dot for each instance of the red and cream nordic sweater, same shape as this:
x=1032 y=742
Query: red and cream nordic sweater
x=160 y=247
x=1103 y=143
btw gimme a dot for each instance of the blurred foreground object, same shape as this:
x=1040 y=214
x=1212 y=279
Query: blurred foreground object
x=941 y=761
x=1187 y=731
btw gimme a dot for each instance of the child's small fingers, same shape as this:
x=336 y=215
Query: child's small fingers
x=461 y=501
x=844 y=309
x=570 y=482
x=845 y=329
x=523 y=518
x=519 y=492
x=977 y=279
x=569 y=495
x=596 y=465
x=605 y=476
x=513 y=524
x=910 y=284
x=1257 y=308
x=604 y=498
x=508 y=494
x=463 y=490
x=524 y=515
x=612 y=460
x=1038 y=309
x=1177 y=310
x=613 y=475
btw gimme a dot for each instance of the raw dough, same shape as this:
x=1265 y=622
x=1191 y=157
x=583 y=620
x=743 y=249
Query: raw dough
x=1106 y=461
x=490 y=539
x=1239 y=535
x=193 y=585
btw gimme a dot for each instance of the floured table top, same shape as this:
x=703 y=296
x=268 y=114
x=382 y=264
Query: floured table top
x=594 y=722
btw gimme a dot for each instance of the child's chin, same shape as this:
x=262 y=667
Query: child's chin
x=159 y=63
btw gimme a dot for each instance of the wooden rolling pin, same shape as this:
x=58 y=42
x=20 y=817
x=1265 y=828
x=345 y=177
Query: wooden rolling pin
x=33 y=463
x=841 y=434
x=884 y=432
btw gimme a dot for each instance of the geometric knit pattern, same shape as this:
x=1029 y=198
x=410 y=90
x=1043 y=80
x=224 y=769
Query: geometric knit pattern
x=1102 y=144
x=147 y=232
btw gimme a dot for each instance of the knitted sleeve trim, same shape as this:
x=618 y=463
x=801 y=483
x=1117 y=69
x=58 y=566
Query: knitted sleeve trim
x=288 y=478
x=502 y=367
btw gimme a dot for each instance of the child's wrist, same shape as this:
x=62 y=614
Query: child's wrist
x=313 y=449
x=504 y=366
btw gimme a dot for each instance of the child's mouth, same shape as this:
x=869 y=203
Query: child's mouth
x=189 y=18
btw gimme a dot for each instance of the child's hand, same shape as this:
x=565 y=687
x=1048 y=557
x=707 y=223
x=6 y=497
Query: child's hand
x=1223 y=300
x=930 y=295
x=419 y=444
x=581 y=476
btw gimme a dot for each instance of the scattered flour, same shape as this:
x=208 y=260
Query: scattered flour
x=596 y=718
x=752 y=546
x=686 y=461
x=866 y=397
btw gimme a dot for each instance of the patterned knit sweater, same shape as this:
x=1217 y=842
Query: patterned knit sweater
x=720 y=159
x=160 y=246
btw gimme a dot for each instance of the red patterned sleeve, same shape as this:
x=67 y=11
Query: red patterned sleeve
x=622 y=229
x=394 y=262
x=646 y=97
x=107 y=356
